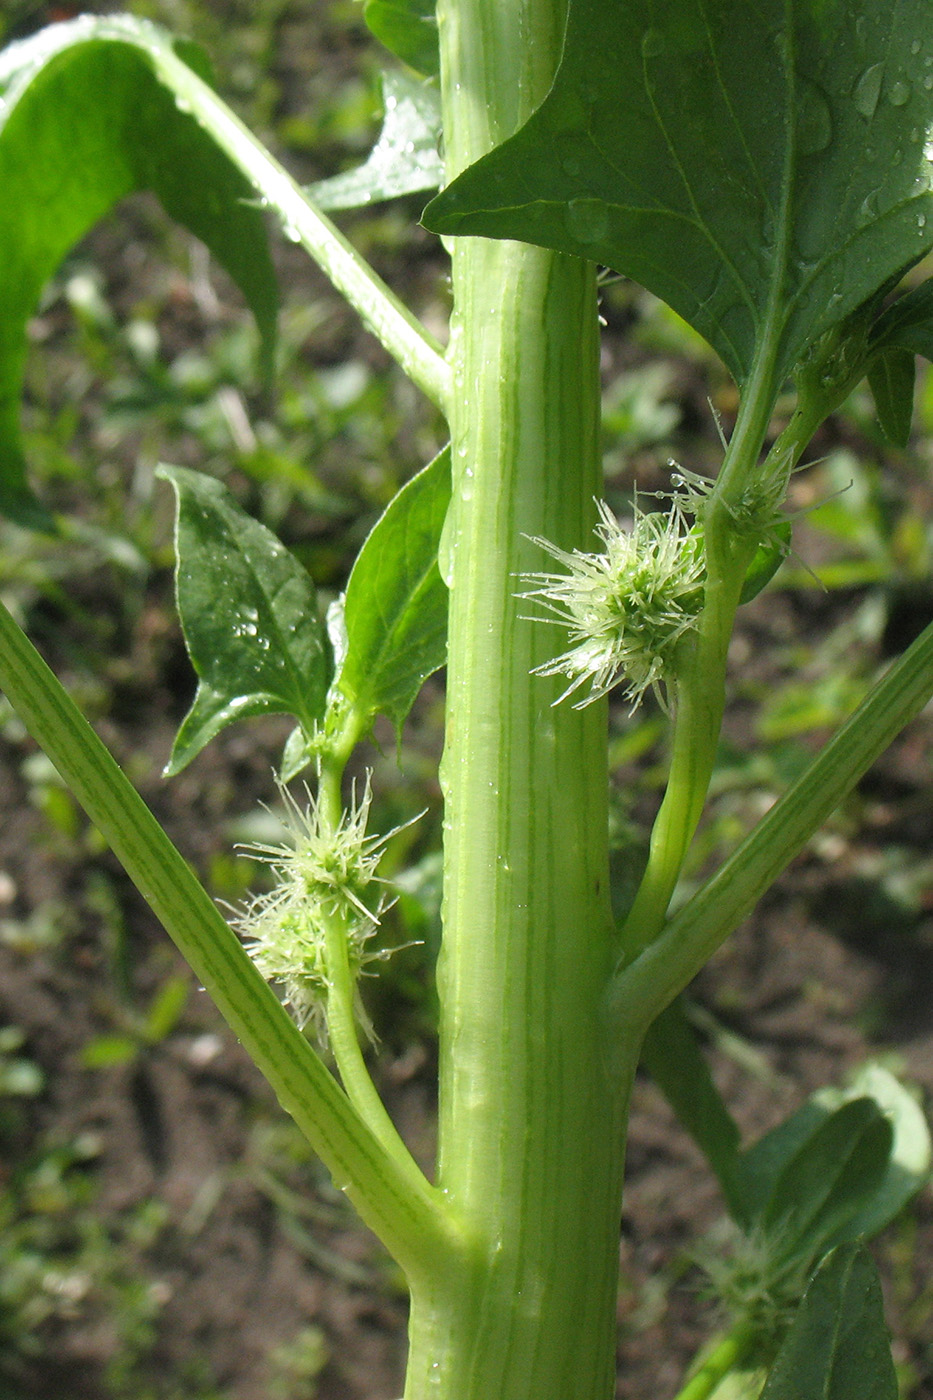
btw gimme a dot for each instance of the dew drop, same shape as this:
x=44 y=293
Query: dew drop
x=587 y=219
x=868 y=90
x=915 y=47
x=653 y=43
x=928 y=82
x=899 y=93
x=466 y=484
x=868 y=210
x=447 y=548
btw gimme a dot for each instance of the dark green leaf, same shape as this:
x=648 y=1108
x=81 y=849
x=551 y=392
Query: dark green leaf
x=829 y=1179
x=250 y=618
x=891 y=375
x=908 y=322
x=768 y=559
x=838 y=1346
x=404 y=160
x=396 y=603
x=88 y=118
x=763 y=1162
x=760 y=167
x=407 y=28
x=672 y=1056
x=909 y=1165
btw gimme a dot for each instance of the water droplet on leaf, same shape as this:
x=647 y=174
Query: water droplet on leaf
x=899 y=93
x=868 y=210
x=587 y=219
x=868 y=90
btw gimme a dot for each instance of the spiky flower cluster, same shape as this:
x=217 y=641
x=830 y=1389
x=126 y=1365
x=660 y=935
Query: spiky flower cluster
x=752 y=1278
x=626 y=607
x=320 y=875
x=756 y=513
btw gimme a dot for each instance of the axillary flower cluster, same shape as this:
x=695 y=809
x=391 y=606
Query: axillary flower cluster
x=322 y=876
x=626 y=607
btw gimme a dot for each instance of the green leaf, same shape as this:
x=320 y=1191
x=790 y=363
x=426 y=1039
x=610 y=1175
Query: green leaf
x=768 y=559
x=165 y=1008
x=88 y=118
x=761 y=168
x=828 y=1180
x=908 y=322
x=891 y=375
x=407 y=28
x=249 y=614
x=763 y=1162
x=105 y=1051
x=911 y=1151
x=404 y=160
x=672 y=1056
x=837 y=1347
x=396 y=604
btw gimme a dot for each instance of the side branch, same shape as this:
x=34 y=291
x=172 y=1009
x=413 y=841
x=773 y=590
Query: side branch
x=410 y=344
x=392 y=1195
x=640 y=991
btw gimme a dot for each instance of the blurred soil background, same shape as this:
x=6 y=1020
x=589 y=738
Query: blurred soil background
x=164 y=1232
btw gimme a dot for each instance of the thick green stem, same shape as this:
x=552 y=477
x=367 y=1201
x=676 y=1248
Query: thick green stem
x=531 y=1121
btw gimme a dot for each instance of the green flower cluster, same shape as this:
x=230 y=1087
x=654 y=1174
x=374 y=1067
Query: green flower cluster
x=627 y=607
x=322 y=876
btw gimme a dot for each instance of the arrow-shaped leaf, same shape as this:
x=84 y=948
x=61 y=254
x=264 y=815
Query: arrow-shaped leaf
x=763 y=168
x=250 y=617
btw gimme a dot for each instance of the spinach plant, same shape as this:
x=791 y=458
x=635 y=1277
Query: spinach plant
x=766 y=170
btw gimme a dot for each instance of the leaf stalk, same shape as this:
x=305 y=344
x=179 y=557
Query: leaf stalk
x=383 y=313
x=640 y=991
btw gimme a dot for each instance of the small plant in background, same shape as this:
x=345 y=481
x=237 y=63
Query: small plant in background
x=765 y=171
